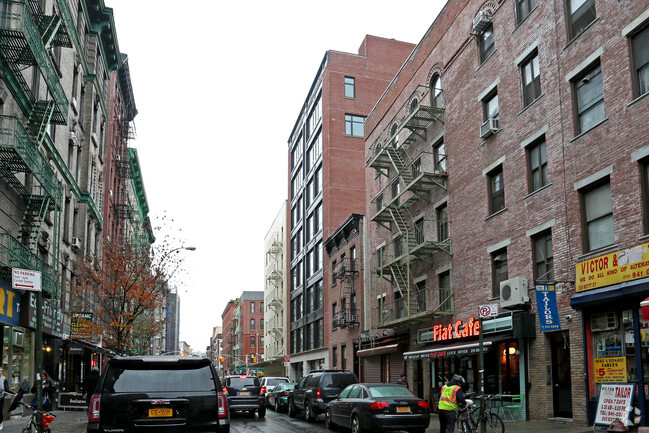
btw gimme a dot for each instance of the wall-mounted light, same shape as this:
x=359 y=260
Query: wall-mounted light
x=47 y=348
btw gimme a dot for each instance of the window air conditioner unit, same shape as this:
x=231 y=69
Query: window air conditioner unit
x=93 y=137
x=490 y=127
x=481 y=21
x=603 y=321
x=513 y=292
x=19 y=338
x=76 y=244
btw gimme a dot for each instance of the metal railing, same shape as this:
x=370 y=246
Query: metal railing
x=421 y=302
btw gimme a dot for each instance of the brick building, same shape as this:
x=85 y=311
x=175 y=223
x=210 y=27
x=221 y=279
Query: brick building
x=507 y=162
x=229 y=336
x=326 y=183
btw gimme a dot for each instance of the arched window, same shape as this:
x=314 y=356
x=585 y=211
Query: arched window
x=436 y=92
x=395 y=138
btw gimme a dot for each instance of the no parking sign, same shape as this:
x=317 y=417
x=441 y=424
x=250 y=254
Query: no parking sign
x=488 y=310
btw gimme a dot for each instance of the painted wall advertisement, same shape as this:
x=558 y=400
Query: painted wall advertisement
x=546 y=301
x=609 y=370
x=9 y=304
x=614 y=403
x=614 y=268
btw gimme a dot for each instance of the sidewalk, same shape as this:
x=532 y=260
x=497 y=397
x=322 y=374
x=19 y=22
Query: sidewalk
x=68 y=421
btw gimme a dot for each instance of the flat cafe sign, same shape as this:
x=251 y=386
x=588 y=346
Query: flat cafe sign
x=454 y=331
x=614 y=268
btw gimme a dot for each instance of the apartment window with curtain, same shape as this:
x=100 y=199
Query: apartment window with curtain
x=640 y=59
x=581 y=14
x=543 y=257
x=439 y=153
x=597 y=216
x=252 y=324
x=442 y=223
x=499 y=270
x=496 y=190
x=589 y=94
x=531 y=79
x=252 y=308
x=523 y=9
x=538 y=165
x=490 y=108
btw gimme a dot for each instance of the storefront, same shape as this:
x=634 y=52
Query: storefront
x=610 y=290
x=455 y=348
x=382 y=363
x=17 y=347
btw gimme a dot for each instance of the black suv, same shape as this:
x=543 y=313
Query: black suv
x=244 y=394
x=316 y=389
x=159 y=393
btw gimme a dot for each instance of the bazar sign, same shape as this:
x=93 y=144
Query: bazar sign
x=9 y=304
x=614 y=268
x=610 y=369
x=456 y=330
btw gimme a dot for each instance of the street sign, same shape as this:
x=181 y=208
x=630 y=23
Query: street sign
x=25 y=279
x=488 y=310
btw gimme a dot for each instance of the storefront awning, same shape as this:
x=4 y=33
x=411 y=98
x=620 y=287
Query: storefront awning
x=438 y=350
x=380 y=350
x=627 y=291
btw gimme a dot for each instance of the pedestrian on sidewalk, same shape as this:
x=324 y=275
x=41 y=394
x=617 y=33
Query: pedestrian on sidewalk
x=450 y=400
x=4 y=390
x=403 y=380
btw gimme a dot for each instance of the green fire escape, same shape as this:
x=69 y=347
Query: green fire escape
x=25 y=36
x=414 y=176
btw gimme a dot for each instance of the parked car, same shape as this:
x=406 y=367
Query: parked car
x=268 y=383
x=378 y=406
x=277 y=397
x=243 y=394
x=312 y=393
x=158 y=393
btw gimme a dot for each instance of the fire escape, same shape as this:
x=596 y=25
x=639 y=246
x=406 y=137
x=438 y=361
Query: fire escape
x=274 y=302
x=415 y=174
x=26 y=34
x=120 y=201
x=346 y=271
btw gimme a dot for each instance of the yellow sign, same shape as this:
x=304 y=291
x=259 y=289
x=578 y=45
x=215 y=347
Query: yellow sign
x=614 y=268
x=610 y=370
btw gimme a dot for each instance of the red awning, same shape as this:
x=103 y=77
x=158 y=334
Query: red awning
x=644 y=306
x=380 y=350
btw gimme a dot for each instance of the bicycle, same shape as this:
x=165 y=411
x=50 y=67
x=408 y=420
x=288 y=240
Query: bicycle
x=468 y=419
x=32 y=425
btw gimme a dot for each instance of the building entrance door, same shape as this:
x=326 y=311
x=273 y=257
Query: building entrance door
x=561 y=374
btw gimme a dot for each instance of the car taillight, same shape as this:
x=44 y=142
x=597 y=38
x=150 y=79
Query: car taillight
x=318 y=393
x=93 y=413
x=262 y=390
x=378 y=405
x=223 y=406
x=423 y=404
x=283 y=393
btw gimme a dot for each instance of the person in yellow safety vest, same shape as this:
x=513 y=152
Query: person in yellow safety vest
x=450 y=399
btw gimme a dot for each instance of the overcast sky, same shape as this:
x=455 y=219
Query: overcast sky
x=218 y=87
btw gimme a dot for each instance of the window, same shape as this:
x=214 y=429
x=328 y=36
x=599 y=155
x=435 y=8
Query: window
x=490 y=106
x=436 y=92
x=333 y=272
x=499 y=270
x=598 y=217
x=582 y=13
x=354 y=125
x=590 y=99
x=343 y=353
x=442 y=223
x=350 y=87
x=644 y=175
x=252 y=324
x=252 y=341
x=487 y=46
x=523 y=9
x=396 y=188
x=640 y=53
x=440 y=156
x=531 y=79
x=334 y=356
x=252 y=308
x=538 y=165
x=543 y=260
x=445 y=292
x=496 y=190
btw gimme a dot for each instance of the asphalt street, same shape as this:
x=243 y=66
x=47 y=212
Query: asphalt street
x=75 y=422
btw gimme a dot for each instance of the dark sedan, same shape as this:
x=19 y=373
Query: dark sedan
x=382 y=406
x=277 y=397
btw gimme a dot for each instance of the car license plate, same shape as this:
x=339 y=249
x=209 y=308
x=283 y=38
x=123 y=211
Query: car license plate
x=403 y=409
x=160 y=412
x=245 y=393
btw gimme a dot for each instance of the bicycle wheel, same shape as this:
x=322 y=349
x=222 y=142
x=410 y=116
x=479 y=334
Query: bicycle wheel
x=494 y=423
